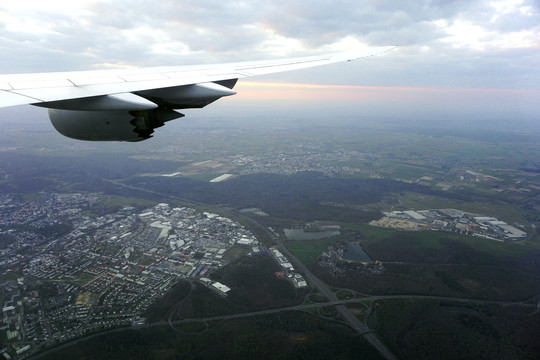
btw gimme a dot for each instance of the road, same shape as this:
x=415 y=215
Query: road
x=321 y=286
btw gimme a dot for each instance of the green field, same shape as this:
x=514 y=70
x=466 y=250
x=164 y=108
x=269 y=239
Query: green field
x=432 y=239
x=205 y=176
x=308 y=251
x=117 y=201
x=235 y=252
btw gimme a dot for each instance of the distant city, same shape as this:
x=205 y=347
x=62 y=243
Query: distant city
x=297 y=160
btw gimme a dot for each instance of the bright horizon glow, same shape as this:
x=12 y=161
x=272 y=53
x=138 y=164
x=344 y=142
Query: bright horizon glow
x=394 y=100
x=421 y=96
x=284 y=85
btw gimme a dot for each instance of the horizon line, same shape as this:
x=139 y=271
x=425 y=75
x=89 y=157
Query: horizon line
x=383 y=88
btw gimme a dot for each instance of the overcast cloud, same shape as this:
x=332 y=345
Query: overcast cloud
x=443 y=43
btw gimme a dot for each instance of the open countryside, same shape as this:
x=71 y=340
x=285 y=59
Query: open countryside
x=109 y=254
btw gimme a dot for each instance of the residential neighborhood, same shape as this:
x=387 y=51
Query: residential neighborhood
x=103 y=271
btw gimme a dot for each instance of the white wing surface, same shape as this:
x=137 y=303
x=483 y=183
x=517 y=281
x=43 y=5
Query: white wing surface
x=127 y=104
x=46 y=87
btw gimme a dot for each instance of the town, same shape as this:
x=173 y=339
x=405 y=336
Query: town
x=105 y=271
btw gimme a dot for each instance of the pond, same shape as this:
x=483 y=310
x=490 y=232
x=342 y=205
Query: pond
x=356 y=252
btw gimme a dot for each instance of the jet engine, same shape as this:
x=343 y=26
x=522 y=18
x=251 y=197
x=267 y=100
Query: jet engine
x=130 y=116
x=110 y=125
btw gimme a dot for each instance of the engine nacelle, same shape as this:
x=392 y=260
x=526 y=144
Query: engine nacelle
x=110 y=125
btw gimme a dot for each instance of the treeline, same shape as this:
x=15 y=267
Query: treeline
x=436 y=263
x=31 y=173
x=159 y=309
x=288 y=335
x=429 y=329
x=487 y=135
x=278 y=190
x=109 y=166
x=303 y=196
x=254 y=285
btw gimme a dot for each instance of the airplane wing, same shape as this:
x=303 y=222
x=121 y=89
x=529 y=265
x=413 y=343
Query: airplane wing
x=157 y=90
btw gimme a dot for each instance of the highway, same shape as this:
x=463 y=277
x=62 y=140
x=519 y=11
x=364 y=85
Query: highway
x=352 y=320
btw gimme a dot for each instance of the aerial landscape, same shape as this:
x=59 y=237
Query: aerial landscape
x=381 y=208
x=155 y=243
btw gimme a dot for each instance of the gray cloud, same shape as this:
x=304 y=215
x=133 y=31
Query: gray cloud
x=443 y=43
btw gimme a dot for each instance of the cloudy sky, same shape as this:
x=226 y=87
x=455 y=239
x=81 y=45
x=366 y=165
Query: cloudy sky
x=455 y=58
